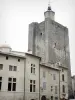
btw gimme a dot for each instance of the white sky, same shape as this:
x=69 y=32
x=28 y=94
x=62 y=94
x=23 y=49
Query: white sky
x=15 y=15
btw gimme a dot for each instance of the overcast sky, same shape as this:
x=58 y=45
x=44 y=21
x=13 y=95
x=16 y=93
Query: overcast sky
x=15 y=15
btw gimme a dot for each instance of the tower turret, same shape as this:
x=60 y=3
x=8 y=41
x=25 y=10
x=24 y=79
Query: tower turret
x=49 y=13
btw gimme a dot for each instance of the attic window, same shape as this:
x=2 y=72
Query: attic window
x=6 y=57
x=18 y=60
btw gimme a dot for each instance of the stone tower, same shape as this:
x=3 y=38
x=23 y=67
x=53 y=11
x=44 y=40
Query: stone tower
x=50 y=41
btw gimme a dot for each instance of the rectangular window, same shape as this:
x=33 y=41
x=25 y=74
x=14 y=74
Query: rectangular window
x=62 y=77
x=11 y=84
x=44 y=74
x=55 y=89
x=14 y=87
x=32 y=86
x=56 y=98
x=33 y=68
x=1 y=66
x=44 y=85
x=0 y=82
x=6 y=57
x=54 y=77
x=32 y=99
x=62 y=70
x=63 y=88
x=51 y=97
x=51 y=88
x=12 y=68
x=18 y=60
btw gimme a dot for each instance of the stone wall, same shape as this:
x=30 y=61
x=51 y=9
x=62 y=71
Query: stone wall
x=51 y=42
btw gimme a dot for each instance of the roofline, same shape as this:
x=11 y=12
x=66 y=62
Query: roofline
x=10 y=54
x=62 y=67
x=49 y=11
x=58 y=24
x=33 y=55
x=73 y=76
x=18 y=51
x=50 y=67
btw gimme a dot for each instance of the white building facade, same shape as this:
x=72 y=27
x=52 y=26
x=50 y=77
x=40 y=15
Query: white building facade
x=19 y=75
x=63 y=82
x=23 y=77
x=49 y=82
x=73 y=85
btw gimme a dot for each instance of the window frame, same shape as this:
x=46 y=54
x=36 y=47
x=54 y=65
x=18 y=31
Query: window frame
x=54 y=77
x=1 y=66
x=44 y=85
x=32 y=86
x=63 y=88
x=63 y=77
x=0 y=83
x=51 y=88
x=12 y=68
x=56 y=90
x=44 y=74
x=7 y=57
x=11 y=82
x=33 y=69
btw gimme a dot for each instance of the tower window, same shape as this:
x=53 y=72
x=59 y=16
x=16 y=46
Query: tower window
x=54 y=45
x=6 y=57
x=40 y=33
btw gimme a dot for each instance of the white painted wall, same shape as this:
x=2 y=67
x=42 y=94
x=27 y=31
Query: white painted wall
x=49 y=82
x=73 y=85
x=19 y=75
x=65 y=82
x=25 y=65
x=30 y=76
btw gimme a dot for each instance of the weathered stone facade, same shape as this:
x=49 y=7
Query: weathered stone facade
x=50 y=41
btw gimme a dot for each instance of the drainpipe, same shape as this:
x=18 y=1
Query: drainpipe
x=39 y=79
x=59 y=84
x=24 y=76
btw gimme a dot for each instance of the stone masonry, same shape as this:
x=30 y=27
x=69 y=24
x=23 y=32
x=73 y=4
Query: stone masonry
x=50 y=41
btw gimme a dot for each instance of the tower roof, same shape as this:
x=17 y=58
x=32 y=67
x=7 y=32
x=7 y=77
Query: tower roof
x=49 y=6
